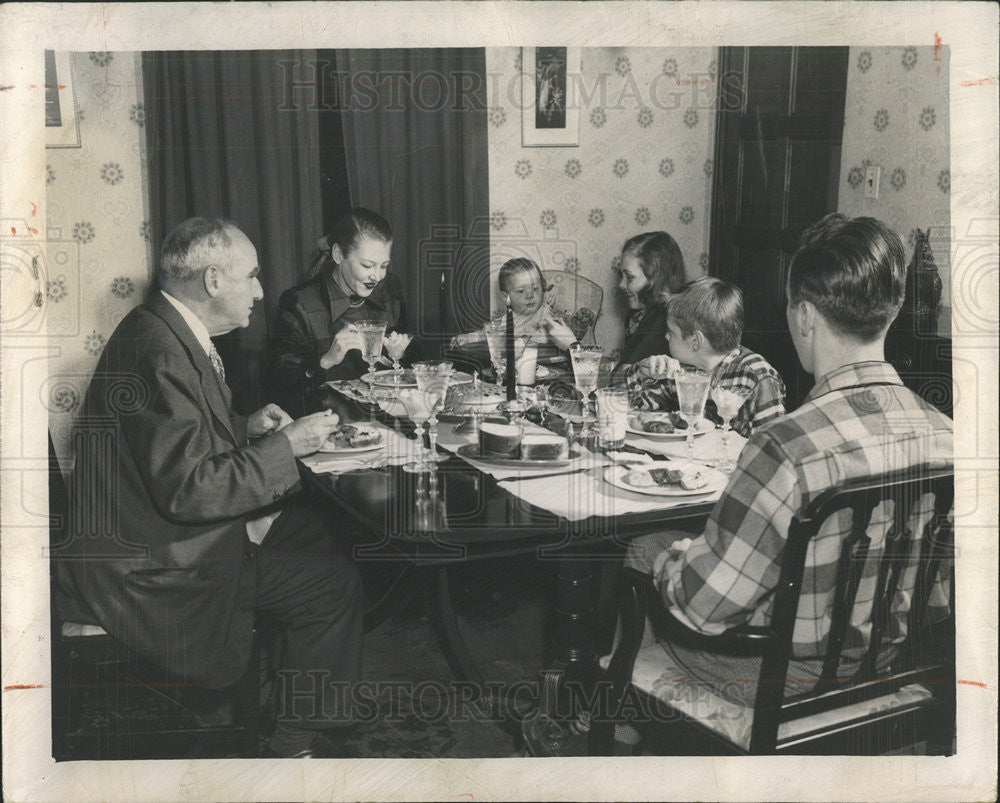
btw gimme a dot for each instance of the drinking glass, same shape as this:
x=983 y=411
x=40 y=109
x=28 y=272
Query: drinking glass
x=586 y=365
x=418 y=408
x=433 y=379
x=395 y=346
x=728 y=402
x=612 y=416
x=692 y=393
x=372 y=333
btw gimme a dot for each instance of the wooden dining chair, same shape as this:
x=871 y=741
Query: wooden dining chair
x=108 y=703
x=870 y=712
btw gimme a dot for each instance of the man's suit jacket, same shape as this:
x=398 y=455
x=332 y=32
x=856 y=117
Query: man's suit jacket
x=163 y=483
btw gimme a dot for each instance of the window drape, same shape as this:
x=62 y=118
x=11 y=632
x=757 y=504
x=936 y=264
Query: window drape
x=415 y=135
x=224 y=140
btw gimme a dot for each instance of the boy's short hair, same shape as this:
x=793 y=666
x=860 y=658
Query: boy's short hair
x=512 y=267
x=853 y=270
x=712 y=307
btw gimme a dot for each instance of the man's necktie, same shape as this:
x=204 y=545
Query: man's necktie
x=220 y=369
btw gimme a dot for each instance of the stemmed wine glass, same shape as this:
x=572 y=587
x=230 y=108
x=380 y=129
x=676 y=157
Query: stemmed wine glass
x=433 y=379
x=372 y=334
x=728 y=402
x=692 y=393
x=586 y=365
x=395 y=346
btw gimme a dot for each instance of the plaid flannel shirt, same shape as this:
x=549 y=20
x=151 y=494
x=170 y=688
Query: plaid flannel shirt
x=858 y=421
x=740 y=368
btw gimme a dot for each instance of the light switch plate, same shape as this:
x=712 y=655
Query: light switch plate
x=872 y=175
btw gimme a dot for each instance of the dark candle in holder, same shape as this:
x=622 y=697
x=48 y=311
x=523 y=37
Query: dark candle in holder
x=511 y=362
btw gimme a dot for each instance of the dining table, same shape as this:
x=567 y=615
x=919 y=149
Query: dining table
x=468 y=509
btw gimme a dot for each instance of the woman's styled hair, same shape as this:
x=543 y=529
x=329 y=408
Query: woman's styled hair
x=512 y=267
x=661 y=261
x=356 y=224
x=853 y=271
x=712 y=307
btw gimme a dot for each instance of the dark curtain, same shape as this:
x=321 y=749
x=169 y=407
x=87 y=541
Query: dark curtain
x=229 y=136
x=416 y=143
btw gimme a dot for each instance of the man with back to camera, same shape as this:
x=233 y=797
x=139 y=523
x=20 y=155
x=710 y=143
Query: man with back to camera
x=845 y=287
x=196 y=525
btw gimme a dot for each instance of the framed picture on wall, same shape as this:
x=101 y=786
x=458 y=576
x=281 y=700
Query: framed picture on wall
x=548 y=118
x=62 y=120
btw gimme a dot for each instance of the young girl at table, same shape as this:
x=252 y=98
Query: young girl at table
x=704 y=327
x=522 y=287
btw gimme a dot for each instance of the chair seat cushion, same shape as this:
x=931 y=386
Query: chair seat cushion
x=74 y=629
x=657 y=675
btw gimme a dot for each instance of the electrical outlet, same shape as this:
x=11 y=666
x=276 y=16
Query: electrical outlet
x=872 y=175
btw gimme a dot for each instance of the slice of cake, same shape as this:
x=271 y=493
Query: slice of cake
x=540 y=446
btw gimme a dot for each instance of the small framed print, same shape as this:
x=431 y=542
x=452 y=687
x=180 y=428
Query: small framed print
x=62 y=120
x=550 y=115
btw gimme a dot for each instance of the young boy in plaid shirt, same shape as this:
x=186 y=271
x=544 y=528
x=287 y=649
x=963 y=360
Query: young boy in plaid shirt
x=704 y=326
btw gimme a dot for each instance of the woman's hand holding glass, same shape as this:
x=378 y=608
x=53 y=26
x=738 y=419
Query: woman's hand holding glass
x=344 y=341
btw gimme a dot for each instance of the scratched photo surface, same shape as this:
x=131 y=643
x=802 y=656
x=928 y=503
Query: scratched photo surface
x=477 y=602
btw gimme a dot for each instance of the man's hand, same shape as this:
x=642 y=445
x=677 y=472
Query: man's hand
x=308 y=433
x=659 y=366
x=267 y=420
x=346 y=340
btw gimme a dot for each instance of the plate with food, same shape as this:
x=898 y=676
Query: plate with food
x=667 y=478
x=665 y=426
x=354 y=438
x=407 y=379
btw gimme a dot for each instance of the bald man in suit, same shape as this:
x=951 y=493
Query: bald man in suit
x=185 y=520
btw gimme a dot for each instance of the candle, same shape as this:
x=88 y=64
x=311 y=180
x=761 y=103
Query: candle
x=511 y=362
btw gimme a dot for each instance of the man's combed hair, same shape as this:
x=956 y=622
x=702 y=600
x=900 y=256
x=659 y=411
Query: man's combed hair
x=853 y=271
x=661 y=261
x=193 y=246
x=712 y=307
x=356 y=224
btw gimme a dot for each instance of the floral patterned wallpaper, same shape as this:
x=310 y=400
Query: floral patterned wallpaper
x=646 y=134
x=896 y=117
x=98 y=251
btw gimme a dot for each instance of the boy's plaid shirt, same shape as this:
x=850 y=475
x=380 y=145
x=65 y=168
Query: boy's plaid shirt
x=740 y=368
x=859 y=421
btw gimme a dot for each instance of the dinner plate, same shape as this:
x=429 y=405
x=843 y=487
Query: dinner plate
x=701 y=426
x=328 y=448
x=716 y=481
x=471 y=450
x=386 y=379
